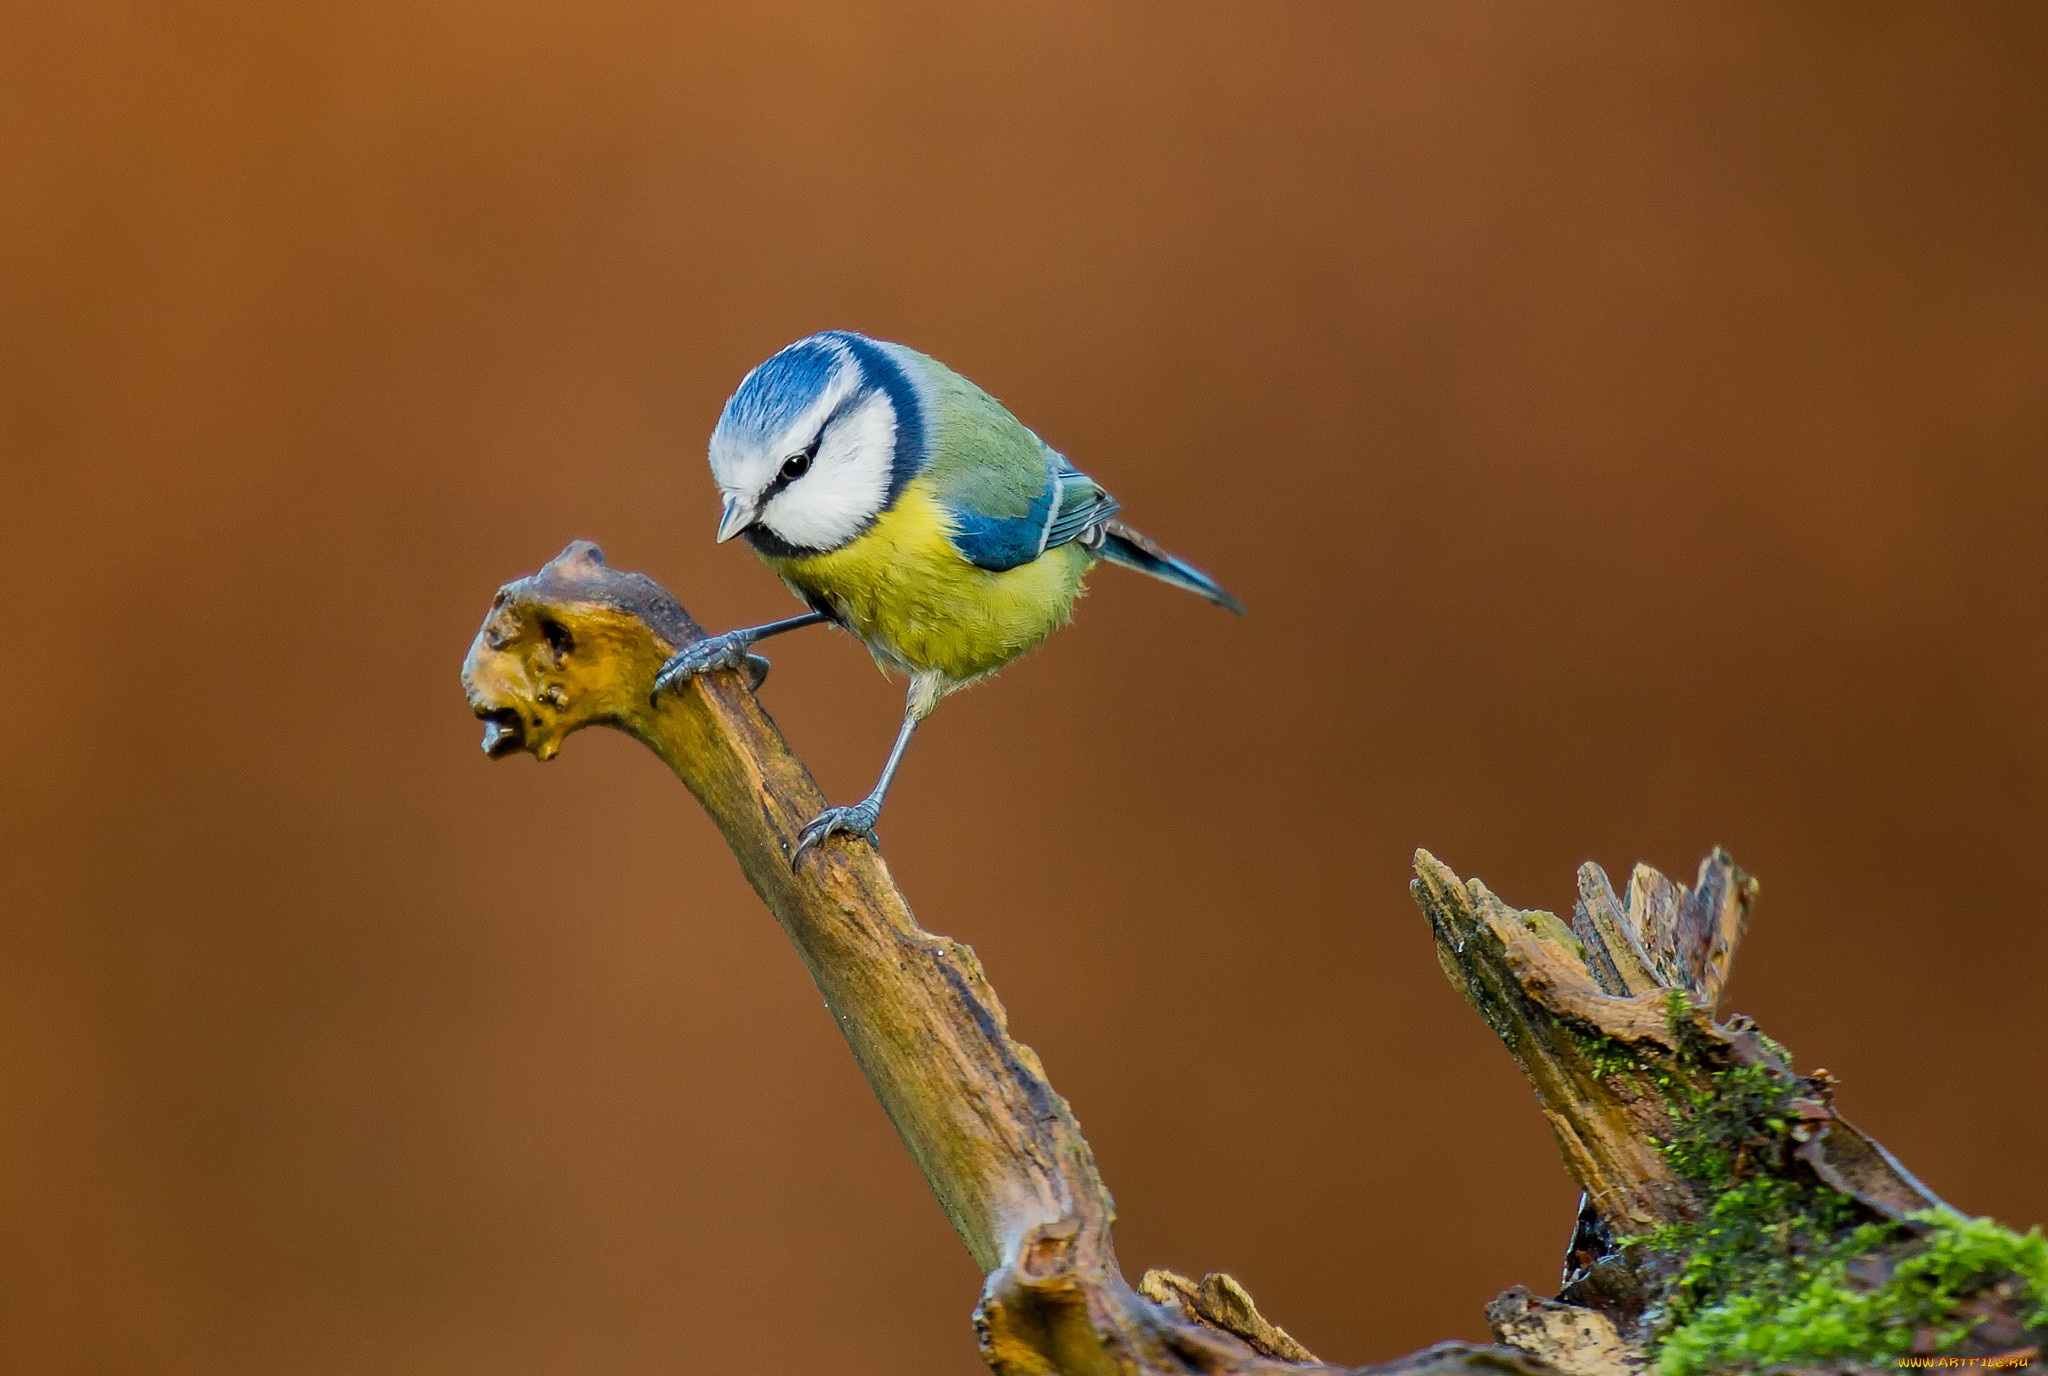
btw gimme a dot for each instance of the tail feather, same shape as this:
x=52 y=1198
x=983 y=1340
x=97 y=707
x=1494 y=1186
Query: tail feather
x=1122 y=545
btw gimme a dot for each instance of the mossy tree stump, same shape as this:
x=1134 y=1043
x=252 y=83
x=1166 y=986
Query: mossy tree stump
x=1732 y=1219
x=1664 y=1115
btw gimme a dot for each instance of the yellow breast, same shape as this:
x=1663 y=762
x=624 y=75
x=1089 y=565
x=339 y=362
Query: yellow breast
x=904 y=589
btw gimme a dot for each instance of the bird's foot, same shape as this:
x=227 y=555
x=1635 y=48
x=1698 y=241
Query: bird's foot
x=713 y=652
x=858 y=820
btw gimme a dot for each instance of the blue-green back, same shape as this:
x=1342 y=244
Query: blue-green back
x=1011 y=496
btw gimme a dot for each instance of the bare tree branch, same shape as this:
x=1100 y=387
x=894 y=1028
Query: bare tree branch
x=577 y=645
x=1732 y=1219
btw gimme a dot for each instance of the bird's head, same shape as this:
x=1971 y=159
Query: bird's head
x=816 y=443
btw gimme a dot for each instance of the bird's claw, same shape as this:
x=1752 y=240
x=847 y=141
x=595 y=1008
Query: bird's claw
x=858 y=820
x=713 y=652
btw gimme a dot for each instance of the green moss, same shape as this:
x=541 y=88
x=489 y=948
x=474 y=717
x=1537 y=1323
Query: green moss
x=1754 y=1292
x=1733 y=1123
x=1760 y=1240
x=1785 y=1269
x=1767 y=1277
x=1608 y=1058
x=1727 y=1122
x=1692 y=1047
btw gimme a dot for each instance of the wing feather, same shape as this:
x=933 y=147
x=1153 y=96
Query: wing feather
x=1067 y=506
x=1084 y=509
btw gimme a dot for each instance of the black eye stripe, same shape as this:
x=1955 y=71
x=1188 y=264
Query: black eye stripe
x=796 y=465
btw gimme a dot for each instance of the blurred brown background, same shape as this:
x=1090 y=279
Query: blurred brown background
x=1627 y=424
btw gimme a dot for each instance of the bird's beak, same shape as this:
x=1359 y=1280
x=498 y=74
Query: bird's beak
x=739 y=514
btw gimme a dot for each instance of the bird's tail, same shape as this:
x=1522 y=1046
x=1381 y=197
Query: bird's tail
x=1122 y=545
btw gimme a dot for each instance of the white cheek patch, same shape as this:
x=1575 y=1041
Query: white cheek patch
x=848 y=484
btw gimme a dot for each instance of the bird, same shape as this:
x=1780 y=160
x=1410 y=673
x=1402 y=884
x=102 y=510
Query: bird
x=902 y=503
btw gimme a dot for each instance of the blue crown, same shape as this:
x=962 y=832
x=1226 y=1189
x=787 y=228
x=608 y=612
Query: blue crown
x=778 y=391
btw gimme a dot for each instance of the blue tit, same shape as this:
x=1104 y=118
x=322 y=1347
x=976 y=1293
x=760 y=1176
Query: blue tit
x=902 y=503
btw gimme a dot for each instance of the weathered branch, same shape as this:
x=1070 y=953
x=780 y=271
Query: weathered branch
x=1732 y=1219
x=578 y=645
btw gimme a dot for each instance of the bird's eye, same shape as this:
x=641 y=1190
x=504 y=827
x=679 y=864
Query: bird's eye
x=796 y=465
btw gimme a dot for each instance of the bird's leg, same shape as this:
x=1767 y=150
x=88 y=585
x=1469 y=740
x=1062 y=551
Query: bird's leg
x=860 y=818
x=727 y=651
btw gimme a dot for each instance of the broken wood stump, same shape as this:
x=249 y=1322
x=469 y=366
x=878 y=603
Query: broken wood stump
x=1732 y=1218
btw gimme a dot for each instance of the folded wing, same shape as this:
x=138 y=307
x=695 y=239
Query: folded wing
x=1067 y=506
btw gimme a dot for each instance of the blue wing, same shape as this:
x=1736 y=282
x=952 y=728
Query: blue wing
x=1066 y=508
